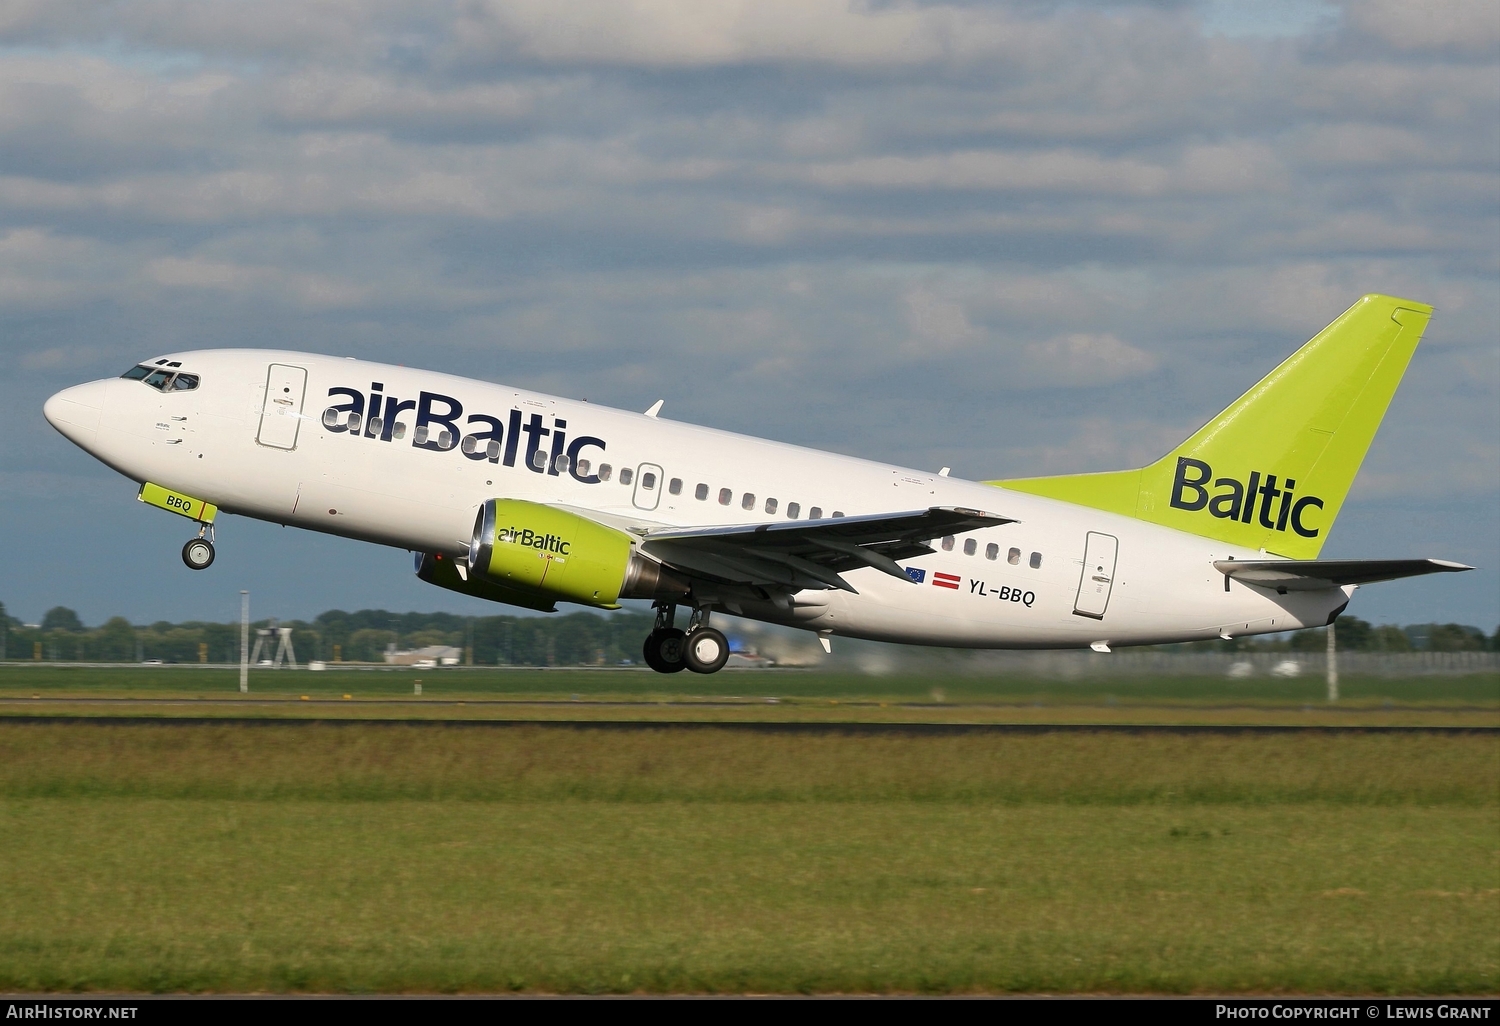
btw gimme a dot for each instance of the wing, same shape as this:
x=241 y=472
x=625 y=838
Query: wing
x=812 y=553
x=1320 y=574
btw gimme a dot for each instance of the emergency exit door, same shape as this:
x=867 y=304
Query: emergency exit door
x=647 y=486
x=1098 y=578
x=281 y=411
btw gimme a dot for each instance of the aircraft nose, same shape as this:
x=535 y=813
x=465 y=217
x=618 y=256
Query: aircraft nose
x=75 y=411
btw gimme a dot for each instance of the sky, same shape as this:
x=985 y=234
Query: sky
x=1011 y=238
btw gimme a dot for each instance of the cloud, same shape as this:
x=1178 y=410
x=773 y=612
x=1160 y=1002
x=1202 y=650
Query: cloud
x=685 y=33
x=59 y=358
x=937 y=325
x=1083 y=360
x=1465 y=26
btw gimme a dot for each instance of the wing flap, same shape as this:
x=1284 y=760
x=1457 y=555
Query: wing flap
x=812 y=553
x=1322 y=574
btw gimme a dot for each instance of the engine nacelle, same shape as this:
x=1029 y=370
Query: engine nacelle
x=535 y=548
x=442 y=571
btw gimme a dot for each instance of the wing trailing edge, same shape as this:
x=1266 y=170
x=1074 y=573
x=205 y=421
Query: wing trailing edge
x=812 y=553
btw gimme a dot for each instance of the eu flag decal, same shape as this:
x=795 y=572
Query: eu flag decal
x=916 y=574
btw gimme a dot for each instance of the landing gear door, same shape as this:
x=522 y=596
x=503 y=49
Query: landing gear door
x=1098 y=575
x=648 y=485
x=281 y=411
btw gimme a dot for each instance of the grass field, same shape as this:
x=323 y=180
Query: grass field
x=410 y=857
x=760 y=695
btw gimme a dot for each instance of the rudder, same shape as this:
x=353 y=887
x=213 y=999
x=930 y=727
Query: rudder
x=1271 y=472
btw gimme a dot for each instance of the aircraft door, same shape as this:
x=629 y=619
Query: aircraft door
x=648 y=486
x=1099 y=553
x=281 y=410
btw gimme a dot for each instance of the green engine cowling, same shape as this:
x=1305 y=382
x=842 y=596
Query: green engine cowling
x=528 y=547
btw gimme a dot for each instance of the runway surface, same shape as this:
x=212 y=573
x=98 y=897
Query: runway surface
x=753 y=726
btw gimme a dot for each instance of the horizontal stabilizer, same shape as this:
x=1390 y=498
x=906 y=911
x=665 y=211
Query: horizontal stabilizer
x=1321 y=574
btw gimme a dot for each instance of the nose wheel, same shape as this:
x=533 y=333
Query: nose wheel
x=198 y=553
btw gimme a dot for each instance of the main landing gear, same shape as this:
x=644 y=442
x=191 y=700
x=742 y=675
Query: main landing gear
x=700 y=649
x=198 y=553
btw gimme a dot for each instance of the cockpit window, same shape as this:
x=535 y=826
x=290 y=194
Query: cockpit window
x=162 y=378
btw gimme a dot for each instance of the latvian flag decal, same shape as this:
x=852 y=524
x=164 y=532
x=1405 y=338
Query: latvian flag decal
x=945 y=581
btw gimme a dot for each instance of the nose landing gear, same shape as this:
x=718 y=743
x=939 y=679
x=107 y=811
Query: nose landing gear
x=701 y=649
x=198 y=553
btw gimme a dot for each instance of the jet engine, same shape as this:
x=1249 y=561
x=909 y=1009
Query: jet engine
x=534 y=549
x=445 y=572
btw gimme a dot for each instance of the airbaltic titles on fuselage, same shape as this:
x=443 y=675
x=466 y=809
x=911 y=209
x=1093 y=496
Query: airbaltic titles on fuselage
x=437 y=429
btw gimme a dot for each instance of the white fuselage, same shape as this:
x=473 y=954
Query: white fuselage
x=394 y=491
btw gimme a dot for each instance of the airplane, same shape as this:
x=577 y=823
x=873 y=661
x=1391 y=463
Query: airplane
x=529 y=499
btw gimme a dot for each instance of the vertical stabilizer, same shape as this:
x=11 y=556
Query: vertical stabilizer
x=1271 y=472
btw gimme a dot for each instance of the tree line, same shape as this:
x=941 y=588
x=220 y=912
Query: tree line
x=569 y=640
x=574 y=639
x=1354 y=634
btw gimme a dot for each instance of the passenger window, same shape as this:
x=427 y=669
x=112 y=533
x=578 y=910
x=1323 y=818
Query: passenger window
x=1013 y=556
x=969 y=546
x=725 y=495
x=1036 y=561
x=421 y=434
x=837 y=513
x=815 y=513
x=539 y=461
x=354 y=422
x=605 y=471
x=748 y=502
x=330 y=417
x=136 y=373
x=158 y=379
x=792 y=509
x=992 y=551
x=582 y=470
x=399 y=431
x=701 y=492
x=626 y=475
x=562 y=463
x=492 y=451
x=376 y=424
x=675 y=487
x=470 y=443
x=648 y=480
x=185 y=383
x=770 y=505
x=948 y=543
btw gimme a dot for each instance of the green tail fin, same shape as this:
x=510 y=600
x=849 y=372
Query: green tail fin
x=1272 y=471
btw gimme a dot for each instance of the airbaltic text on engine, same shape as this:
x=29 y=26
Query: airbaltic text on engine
x=527 y=537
